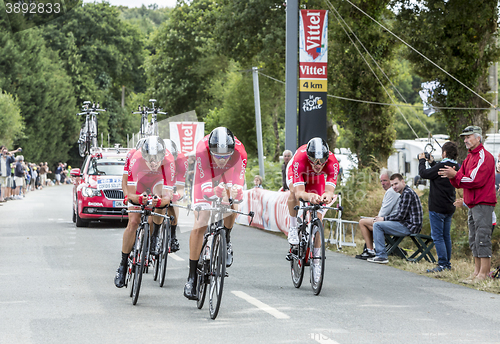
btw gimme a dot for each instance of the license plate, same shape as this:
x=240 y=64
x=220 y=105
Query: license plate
x=118 y=204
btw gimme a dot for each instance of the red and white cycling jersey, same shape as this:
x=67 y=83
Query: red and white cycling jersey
x=207 y=174
x=144 y=179
x=127 y=161
x=181 y=166
x=300 y=172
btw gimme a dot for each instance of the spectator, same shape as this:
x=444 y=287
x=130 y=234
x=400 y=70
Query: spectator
x=407 y=220
x=287 y=156
x=6 y=159
x=477 y=177
x=34 y=177
x=58 y=172
x=441 y=198
x=19 y=177
x=389 y=207
x=257 y=181
x=43 y=175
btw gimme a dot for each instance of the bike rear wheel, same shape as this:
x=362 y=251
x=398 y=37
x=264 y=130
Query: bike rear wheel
x=142 y=248
x=317 y=256
x=297 y=268
x=165 y=250
x=217 y=272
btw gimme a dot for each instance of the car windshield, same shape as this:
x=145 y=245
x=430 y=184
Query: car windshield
x=103 y=167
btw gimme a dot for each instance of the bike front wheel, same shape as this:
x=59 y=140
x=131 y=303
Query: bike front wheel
x=297 y=267
x=142 y=248
x=165 y=250
x=217 y=272
x=317 y=256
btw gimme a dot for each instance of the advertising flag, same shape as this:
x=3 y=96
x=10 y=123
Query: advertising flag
x=313 y=58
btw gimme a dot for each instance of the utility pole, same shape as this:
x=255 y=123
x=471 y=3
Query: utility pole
x=258 y=124
x=292 y=44
x=493 y=83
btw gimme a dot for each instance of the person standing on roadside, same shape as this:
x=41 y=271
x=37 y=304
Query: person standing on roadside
x=6 y=159
x=441 y=198
x=477 y=177
x=287 y=156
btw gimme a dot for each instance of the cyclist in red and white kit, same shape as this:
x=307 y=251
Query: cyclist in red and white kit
x=150 y=170
x=311 y=175
x=219 y=172
x=181 y=164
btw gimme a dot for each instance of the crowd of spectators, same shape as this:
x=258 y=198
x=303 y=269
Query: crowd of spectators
x=18 y=177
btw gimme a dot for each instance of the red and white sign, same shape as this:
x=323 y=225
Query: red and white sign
x=313 y=36
x=186 y=135
x=312 y=70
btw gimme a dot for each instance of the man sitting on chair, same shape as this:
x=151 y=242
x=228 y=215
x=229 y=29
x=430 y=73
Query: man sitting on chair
x=406 y=221
x=389 y=207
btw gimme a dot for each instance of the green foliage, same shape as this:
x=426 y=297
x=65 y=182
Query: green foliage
x=33 y=74
x=368 y=128
x=184 y=65
x=417 y=120
x=11 y=122
x=147 y=19
x=272 y=171
x=462 y=42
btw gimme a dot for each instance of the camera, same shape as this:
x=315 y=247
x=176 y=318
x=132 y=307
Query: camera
x=20 y=149
x=427 y=156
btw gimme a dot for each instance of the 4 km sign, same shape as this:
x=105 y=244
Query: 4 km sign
x=313 y=52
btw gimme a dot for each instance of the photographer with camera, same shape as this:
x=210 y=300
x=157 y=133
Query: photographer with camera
x=441 y=198
x=6 y=159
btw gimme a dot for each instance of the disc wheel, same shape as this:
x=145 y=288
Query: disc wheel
x=201 y=271
x=165 y=250
x=141 y=248
x=81 y=149
x=217 y=272
x=317 y=256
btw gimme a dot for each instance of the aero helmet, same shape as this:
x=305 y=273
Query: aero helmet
x=171 y=147
x=317 y=151
x=221 y=141
x=153 y=149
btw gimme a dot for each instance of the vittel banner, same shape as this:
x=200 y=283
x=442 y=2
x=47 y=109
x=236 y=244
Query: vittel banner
x=186 y=135
x=313 y=53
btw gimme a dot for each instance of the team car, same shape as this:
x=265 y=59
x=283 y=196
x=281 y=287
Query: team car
x=97 y=187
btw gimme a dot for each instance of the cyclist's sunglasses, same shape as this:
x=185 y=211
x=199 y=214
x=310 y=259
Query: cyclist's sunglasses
x=221 y=156
x=317 y=162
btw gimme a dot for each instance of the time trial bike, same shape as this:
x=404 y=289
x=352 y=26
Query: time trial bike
x=211 y=269
x=311 y=248
x=149 y=128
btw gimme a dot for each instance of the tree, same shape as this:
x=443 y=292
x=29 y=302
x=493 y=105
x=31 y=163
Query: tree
x=33 y=74
x=368 y=126
x=462 y=42
x=11 y=122
x=184 y=62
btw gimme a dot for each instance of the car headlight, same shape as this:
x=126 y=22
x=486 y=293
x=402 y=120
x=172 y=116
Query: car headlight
x=90 y=192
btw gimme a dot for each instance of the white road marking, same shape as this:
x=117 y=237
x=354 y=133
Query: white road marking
x=262 y=306
x=176 y=257
x=322 y=339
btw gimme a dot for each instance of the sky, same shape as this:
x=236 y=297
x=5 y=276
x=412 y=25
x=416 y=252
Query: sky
x=138 y=3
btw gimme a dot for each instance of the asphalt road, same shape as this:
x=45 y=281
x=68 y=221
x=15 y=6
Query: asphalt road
x=56 y=284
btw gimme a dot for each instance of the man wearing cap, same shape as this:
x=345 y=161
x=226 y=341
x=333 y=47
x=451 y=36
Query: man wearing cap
x=477 y=177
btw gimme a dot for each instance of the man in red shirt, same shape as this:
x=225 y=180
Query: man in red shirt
x=150 y=171
x=477 y=177
x=311 y=175
x=219 y=172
